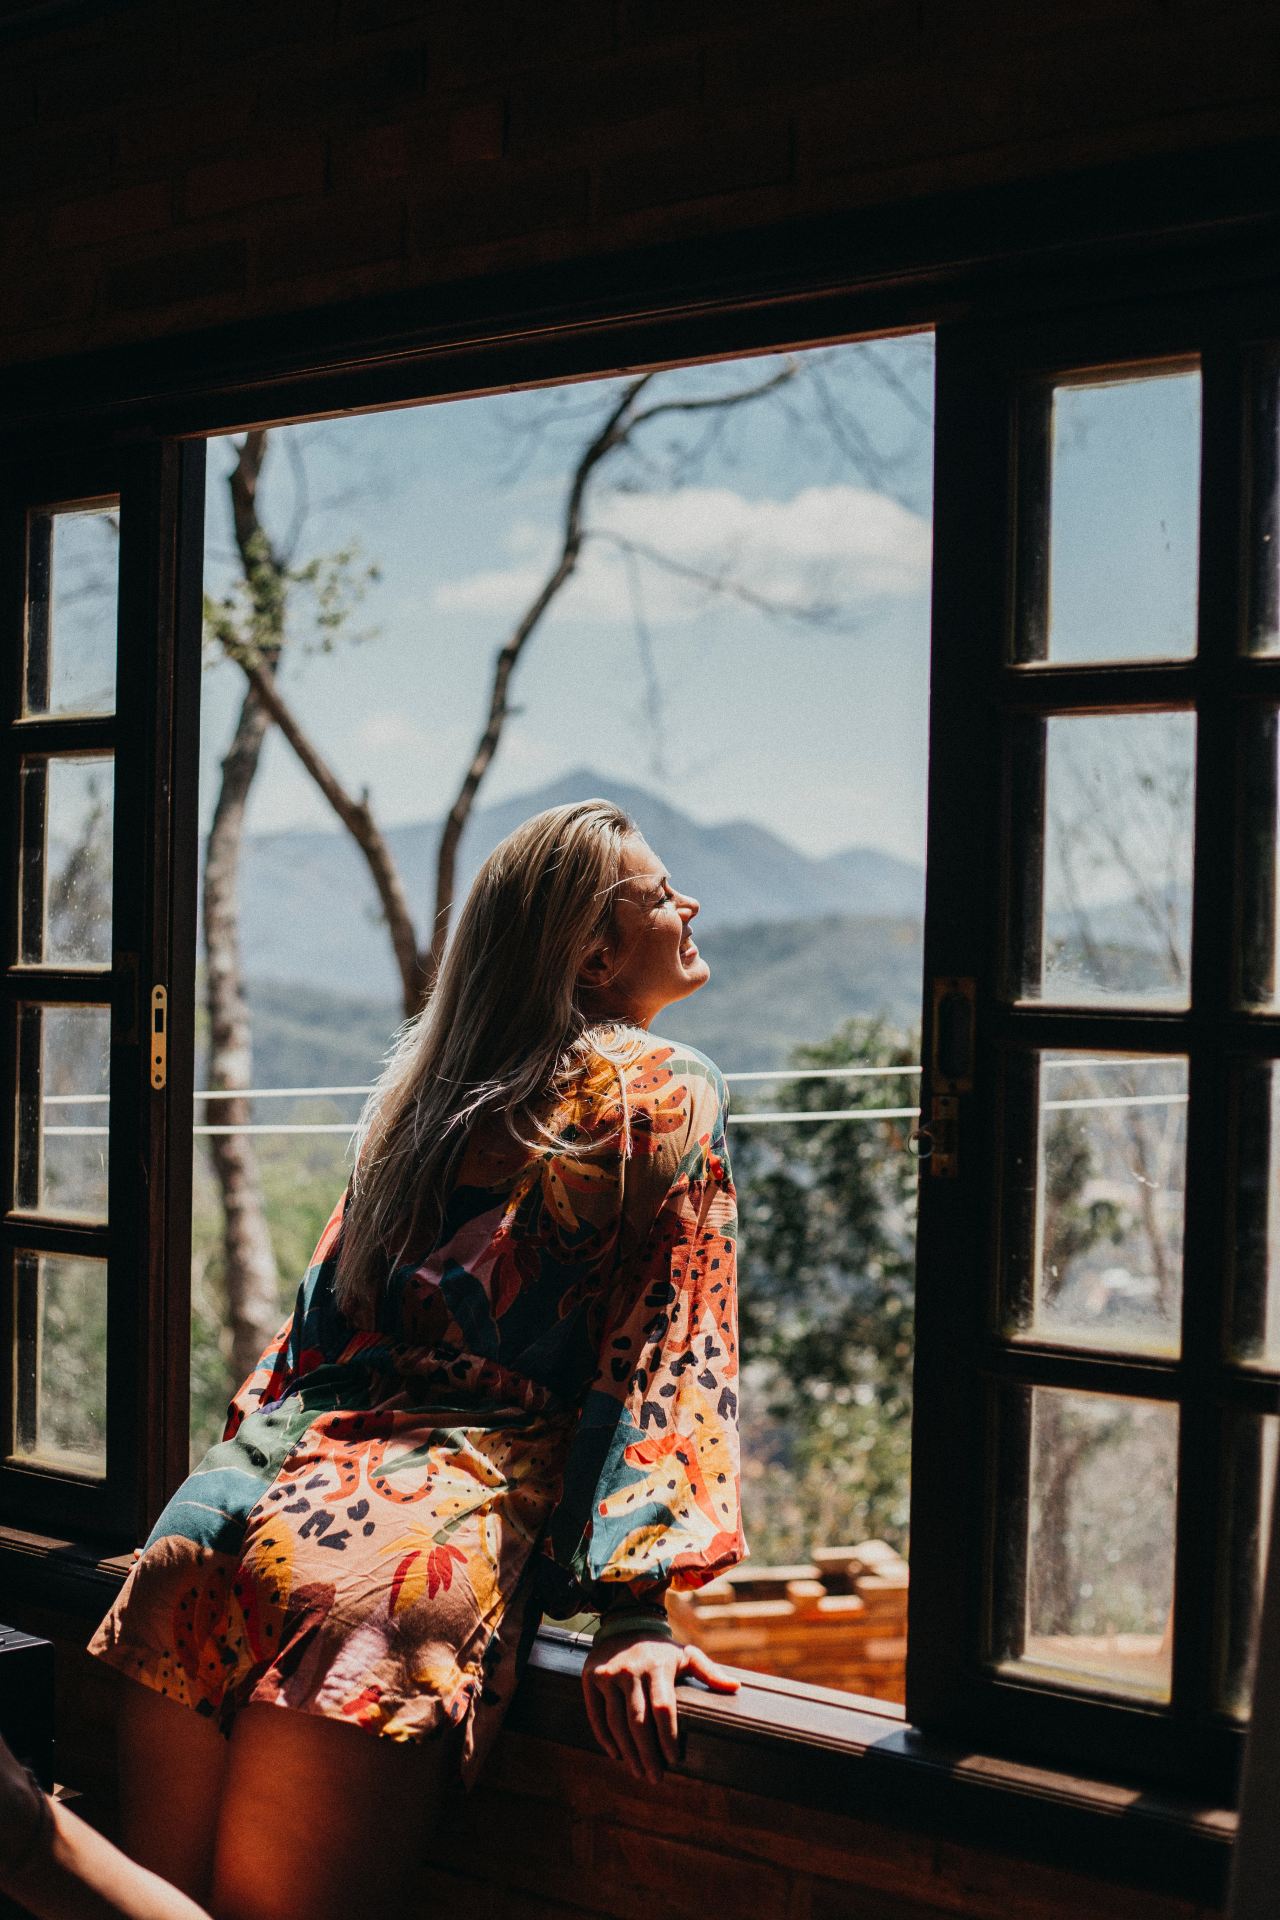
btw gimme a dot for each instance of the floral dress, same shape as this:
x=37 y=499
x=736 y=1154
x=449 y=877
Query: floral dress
x=540 y=1419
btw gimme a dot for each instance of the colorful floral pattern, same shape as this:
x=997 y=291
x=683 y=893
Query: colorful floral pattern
x=541 y=1420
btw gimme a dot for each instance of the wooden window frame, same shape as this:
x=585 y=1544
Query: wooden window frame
x=1187 y=226
x=155 y=715
x=962 y=1359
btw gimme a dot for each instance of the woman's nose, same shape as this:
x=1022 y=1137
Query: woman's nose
x=688 y=905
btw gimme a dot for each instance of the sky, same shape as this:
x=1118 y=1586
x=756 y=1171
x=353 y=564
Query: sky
x=815 y=494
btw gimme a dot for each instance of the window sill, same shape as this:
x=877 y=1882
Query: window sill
x=838 y=1752
x=809 y=1746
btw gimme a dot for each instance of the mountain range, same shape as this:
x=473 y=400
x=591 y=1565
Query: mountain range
x=309 y=913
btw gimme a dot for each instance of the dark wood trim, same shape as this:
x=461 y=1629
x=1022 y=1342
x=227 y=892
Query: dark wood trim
x=1178 y=223
x=819 y=1749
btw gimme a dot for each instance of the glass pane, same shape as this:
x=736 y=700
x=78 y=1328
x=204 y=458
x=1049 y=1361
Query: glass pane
x=1103 y=806
x=1255 y=1443
x=63 y=1111
x=1110 y=520
x=60 y=1401
x=1085 y=1577
x=73 y=566
x=65 y=894
x=1264 y=493
x=1255 y=1288
x=1095 y=1207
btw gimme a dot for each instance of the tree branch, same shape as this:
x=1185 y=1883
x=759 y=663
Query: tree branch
x=357 y=817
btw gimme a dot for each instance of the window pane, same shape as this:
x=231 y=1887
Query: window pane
x=1255 y=1443
x=1264 y=492
x=63 y=1086
x=1085 y=1578
x=1103 y=807
x=65 y=896
x=60 y=1403
x=1095 y=1205
x=1255 y=1289
x=73 y=566
x=1110 y=497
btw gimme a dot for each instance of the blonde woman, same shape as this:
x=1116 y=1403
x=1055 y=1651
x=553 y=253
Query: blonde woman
x=508 y=1390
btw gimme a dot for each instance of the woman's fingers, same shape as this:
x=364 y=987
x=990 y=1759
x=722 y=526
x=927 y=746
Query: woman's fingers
x=643 y=1731
x=596 y=1716
x=665 y=1714
x=615 y=1706
x=694 y=1660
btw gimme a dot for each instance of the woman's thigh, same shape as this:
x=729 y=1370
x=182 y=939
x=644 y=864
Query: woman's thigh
x=172 y=1764
x=321 y=1820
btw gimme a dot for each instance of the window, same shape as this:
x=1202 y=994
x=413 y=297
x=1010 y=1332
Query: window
x=1098 y=1374
x=1096 y=1270
x=84 y=1183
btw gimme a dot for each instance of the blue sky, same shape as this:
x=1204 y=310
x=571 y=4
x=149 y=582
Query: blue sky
x=821 y=490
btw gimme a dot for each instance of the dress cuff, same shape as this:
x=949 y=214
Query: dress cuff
x=650 y=1620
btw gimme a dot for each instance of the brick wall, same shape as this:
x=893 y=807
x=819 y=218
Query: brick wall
x=168 y=167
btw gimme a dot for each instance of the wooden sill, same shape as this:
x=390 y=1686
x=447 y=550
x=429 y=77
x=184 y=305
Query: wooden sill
x=810 y=1746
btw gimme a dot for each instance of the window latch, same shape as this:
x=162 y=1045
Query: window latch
x=159 y=1037
x=951 y=1073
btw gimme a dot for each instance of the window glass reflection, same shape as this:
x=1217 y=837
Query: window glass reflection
x=63 y=1110
x=1102 y=807
x=1095 y=1209
x=1109 y=519
x=65 y=892
x=73 y=564
x=1085 y=1575
x=60 y=1368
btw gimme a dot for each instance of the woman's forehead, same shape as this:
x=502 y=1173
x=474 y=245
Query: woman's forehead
x=640 y=862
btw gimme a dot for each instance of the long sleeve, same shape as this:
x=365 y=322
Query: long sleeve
x=303 y=1339
x=651 y=1497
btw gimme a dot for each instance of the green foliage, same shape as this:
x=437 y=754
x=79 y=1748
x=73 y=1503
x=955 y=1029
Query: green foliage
x=303 y=1176
x=248 y=623
x=827 y=1303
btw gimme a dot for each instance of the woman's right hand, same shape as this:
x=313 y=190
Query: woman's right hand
x=629 y=1683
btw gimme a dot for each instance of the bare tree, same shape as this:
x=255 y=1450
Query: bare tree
x=249 y=1267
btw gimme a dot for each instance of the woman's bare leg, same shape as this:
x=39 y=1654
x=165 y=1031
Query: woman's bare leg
x=172 y=1764
x=67 y=1871
x=323 y=1819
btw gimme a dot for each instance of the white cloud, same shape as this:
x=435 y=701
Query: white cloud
x=837 y=545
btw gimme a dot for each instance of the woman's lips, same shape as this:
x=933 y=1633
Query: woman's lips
x=687 y=950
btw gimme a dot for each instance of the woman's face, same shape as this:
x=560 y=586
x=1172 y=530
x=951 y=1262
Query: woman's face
x=650 y=958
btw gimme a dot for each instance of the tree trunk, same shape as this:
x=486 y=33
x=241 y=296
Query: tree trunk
x=251 y=1277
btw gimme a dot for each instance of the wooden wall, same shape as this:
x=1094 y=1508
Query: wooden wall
x=165 y=167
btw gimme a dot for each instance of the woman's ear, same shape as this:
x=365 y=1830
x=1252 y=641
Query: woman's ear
x=596 y=969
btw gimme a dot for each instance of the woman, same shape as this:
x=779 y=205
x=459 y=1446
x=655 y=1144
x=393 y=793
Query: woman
x=507 y=1390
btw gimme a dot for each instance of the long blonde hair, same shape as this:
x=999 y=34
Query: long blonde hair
x=501 y=1032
